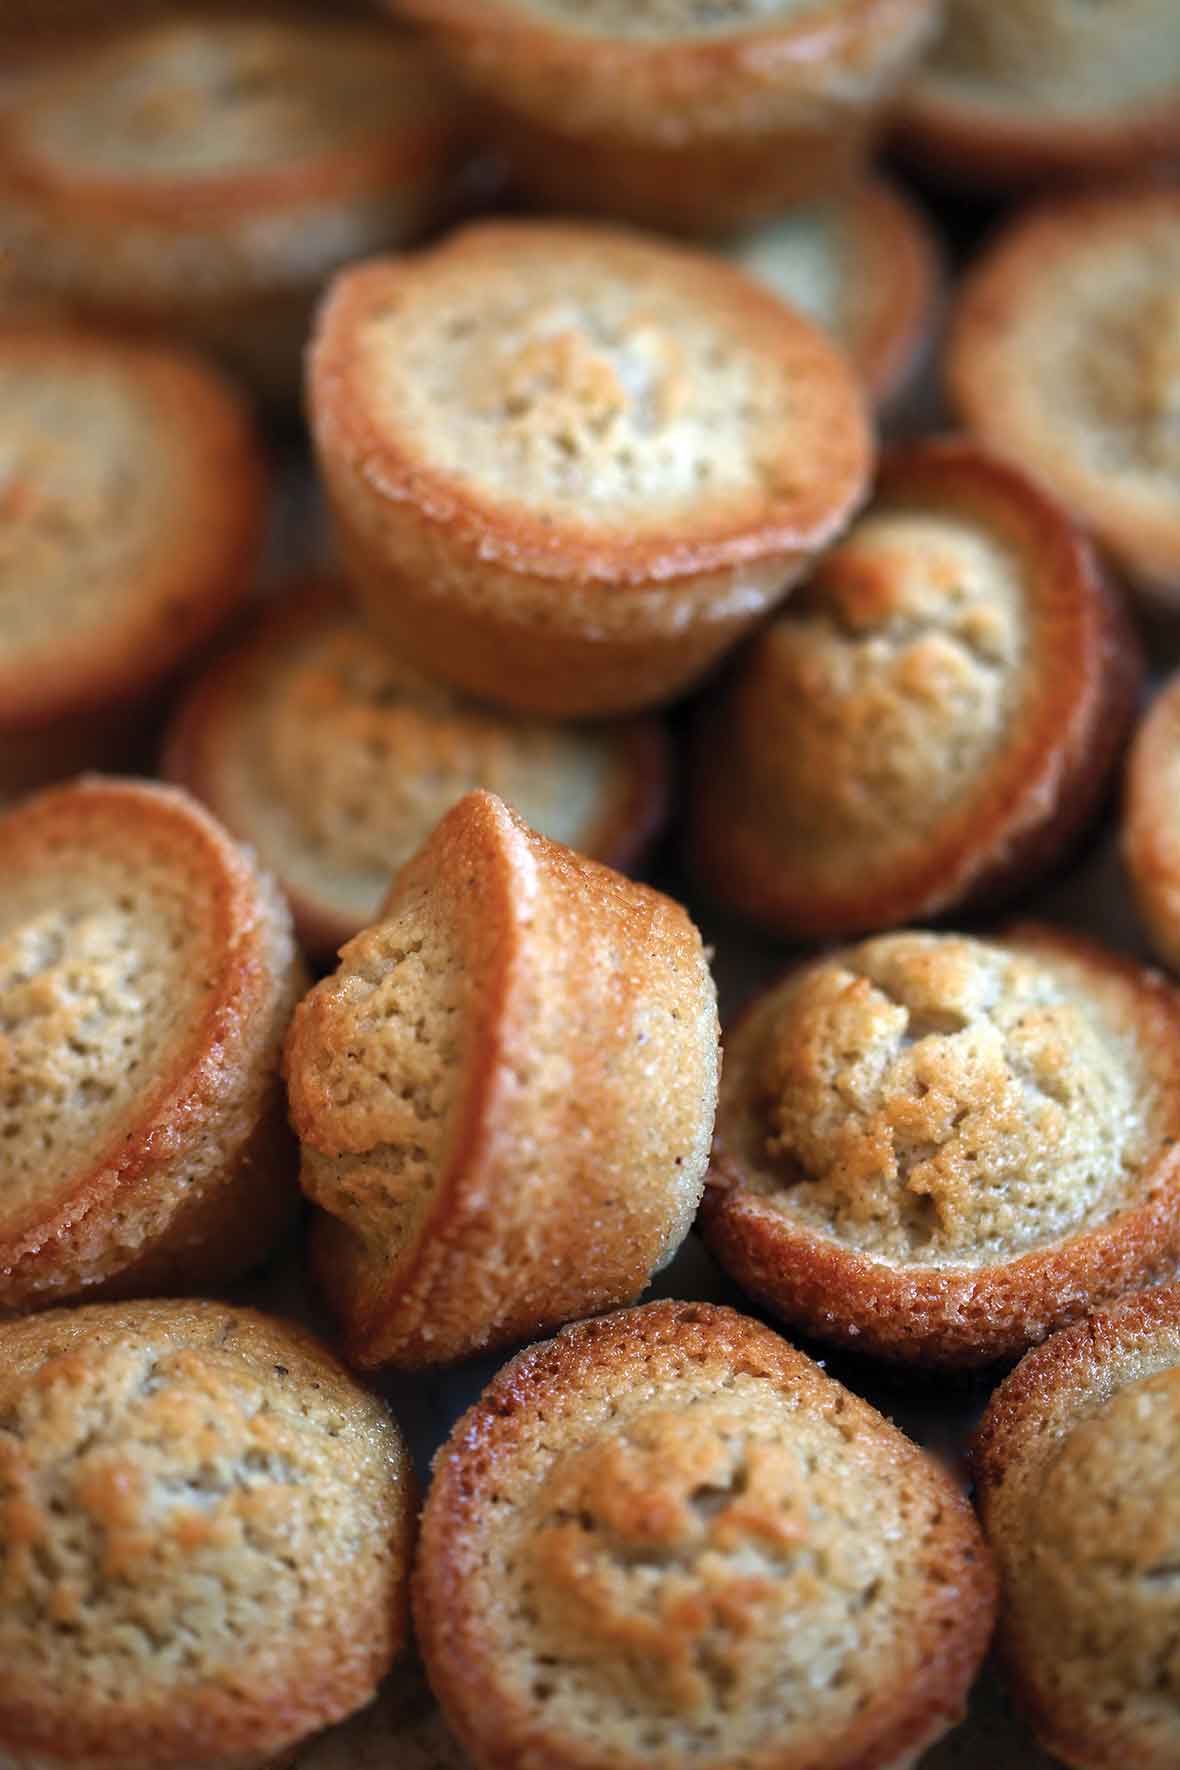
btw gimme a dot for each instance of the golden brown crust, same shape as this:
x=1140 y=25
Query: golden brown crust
x=213 y=748
x=1061 y=356
x=190 y=1471
x=681 y=130
x=957 y=1313
x=788 y=863
x=188 y=1177
x=188 y=575
x=1151 y=829
x=1076 y=1412
x=520 y=596
x=505 y=1096
x=616 y=1417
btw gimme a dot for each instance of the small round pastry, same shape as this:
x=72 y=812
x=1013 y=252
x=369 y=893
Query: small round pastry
x=505 y=1095
x=937 y=1149
x=147 y=975
x=205 y=1533
x=866 y=267
x=207 y=175
x=1076 y=1476
x=677 y=114
x=570 y=466
x=1064 y=355
x=932 y=718
x=1035 y=90
x=667 y=1538
x=1151 y=823
x=132 y=506
x=334 y=760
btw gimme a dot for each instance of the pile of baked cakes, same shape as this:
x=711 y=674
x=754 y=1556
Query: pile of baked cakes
x=520 y=519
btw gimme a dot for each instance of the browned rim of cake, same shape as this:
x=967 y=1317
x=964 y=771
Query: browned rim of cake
x=1151 y=829
x=208 y=741
x=408 y=147
x=1068 y=1382
x=949 y=1314
x=194 y=568
x=1078 y=683
x=593 y=1392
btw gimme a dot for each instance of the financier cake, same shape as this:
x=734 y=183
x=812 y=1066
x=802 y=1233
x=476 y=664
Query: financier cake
x=206 y=175
x=930 y=720
x=334 y=759
x=1064 y=355
x=1151 y=823
x=205 y=1531
x=1076 y=1476
x=866 y=266
x=147 y=974
x=505 y=1094
x=667 y=1538
x=1031 y=90
x=570 y=466
x=937 y=1149
x=132 y=502
x=678 y=114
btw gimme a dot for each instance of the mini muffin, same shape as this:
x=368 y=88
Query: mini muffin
x=932 y=718
x=147 y=975
x=1064 y=354
x=679 y=114
x=1076 y=1462
x=204 y=1538
x=207 y=175
x=667 y=1538
x=334 y=760
x=571 y=466
x=401 y=1730
x=505 y=1095
x=866 y=266
x=1151 y=823
x=1029 y=90
x=938 y=1149
x=132 y=502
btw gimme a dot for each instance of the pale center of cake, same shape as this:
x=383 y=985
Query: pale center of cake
x=225 y=99
x=84 y=502
x=803 y=260
x=617 y=405
x=657 y=19
x=354 y=758
x=96 y=992
x=1061 y=55
x=934 y=1099
x=902 y=667
x=1101 y=1560
x=155 y=1506
x=712 y=1566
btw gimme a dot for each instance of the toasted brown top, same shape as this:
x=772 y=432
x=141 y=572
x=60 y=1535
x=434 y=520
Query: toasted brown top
x=229 y=114
x=141 y=961
x=865 y=266
x=667 y=1537
x=1076 y=1459
x=131 y=507
x=1064 y=354
x=205 y=1536
x=946 y=685
x=334 y=758
x=578 y=402
x=1151 y=829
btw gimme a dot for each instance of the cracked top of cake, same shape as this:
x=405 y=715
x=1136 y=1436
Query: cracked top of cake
x=205 y=1535
x=696 y=1546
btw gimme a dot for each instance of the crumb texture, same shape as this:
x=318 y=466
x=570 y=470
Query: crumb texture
x=932 y=1098
x=224 y=99
x=900 y=670
x=1063 y=56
